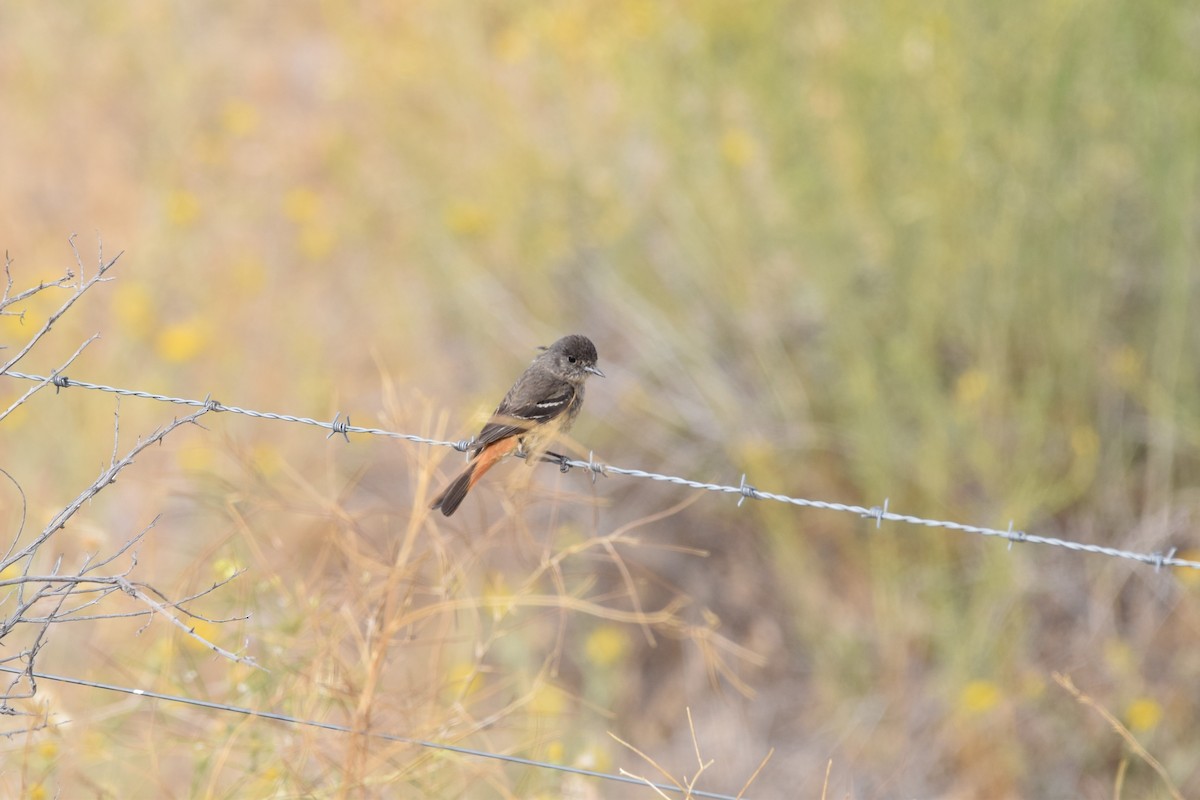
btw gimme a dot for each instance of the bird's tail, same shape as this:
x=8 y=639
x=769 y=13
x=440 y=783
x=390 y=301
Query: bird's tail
x=452 y=496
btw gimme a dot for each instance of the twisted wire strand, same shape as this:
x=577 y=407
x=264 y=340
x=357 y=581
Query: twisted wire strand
x=342 y=426
x=389 y=737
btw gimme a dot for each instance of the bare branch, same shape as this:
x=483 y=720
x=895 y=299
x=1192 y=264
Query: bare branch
x=135 y=539
x=50 y=596
x=24 y=513
x=133 y=591
x=81 y=287
x=106 y=478
x=9 y=298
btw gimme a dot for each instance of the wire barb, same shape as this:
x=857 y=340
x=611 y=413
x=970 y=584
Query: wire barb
x=60 y=381
x=339 y=425
x=878 y=513
x=1159 y=558
x=746 y=490
x=595 y=467
x=1017 y=536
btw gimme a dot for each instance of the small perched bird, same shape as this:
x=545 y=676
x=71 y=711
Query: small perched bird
x=542 y=404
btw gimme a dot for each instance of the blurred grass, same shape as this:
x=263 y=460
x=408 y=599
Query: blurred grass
x=944 y=254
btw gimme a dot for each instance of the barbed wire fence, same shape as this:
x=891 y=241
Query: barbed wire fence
x=340 y=425
x=32 y=600
x=61 y=596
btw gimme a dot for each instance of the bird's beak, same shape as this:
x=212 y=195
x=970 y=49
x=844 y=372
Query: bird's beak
x=594 y=371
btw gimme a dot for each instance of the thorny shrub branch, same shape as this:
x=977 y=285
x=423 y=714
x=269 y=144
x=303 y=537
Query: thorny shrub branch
x=34 y=600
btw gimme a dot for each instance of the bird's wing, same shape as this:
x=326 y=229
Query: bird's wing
x=517 y=414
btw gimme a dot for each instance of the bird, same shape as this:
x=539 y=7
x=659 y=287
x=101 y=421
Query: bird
x=542 y=404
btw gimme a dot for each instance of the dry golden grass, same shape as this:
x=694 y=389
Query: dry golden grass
x=943 y=254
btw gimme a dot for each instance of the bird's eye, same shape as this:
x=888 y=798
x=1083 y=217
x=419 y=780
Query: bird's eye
x=572 y=359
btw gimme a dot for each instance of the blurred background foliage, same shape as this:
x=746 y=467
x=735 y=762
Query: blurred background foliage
x=943 y=253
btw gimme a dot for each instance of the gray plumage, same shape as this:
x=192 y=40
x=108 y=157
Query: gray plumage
x=543 y=403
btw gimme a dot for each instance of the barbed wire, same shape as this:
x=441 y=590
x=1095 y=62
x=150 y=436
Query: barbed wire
x=390 y=737
x=340 y=425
